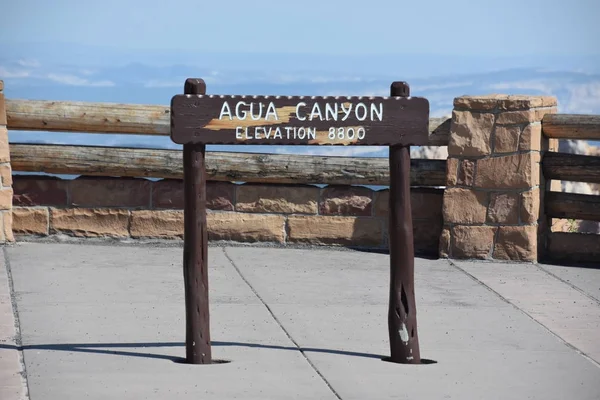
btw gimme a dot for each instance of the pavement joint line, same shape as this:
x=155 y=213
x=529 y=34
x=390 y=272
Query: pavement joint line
x=18 y=338
x=589 y=296
x=584 y=355
x=289 y=336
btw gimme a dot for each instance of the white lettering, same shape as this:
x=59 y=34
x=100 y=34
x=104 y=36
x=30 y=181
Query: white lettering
x=329 y=110
x=237 y=110
x=301 y=133
x=271 y=110
x=260 y=108
x=238 y=132
x=316 y=110
x=225 y=110
x=375 y=112
x=303 y=104
x=364 y=115
x=248 y=136
x=267 y=132
x=257 y=131
x=312 y=133
x=360 y=133
x=347 y=112
x=287 y=130
x=277 y=133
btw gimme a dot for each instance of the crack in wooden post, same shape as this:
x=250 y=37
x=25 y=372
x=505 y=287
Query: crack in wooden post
x=402 y=318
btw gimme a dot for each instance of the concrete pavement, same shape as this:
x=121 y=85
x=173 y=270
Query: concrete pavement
x=108 y=322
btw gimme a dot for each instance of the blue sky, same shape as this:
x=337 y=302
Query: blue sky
x=134 y=51
x=458 y=27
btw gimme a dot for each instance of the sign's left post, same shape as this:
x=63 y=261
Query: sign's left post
x=195 y=246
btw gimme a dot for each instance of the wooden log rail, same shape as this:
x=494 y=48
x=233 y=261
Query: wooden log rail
x=220 y=166
x=571 y=126
x=572 y=205
x=571 y=167
x=69 y=116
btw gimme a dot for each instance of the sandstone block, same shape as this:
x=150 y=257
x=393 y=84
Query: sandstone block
x=507 y=139
x=445 y=243
x=6 y=175
x=531 y=137
x=530 y=206
x=110 y=192
x=354 y=231
x=475 y=242
x=503 y=102
x=516 y=243
x=7 y=222
x=89 y=222
x=451 y=171
x=504 y=208
x=464 y=206
x=281 y=199
x=540 y=112
x=169 y=194
x=31 y=190
x=346 y=200
x=242 y=227
x=30 y=221
x=157 y=224
x=518 y=171
x=426 y=203
x=516 y=117
x=4 y=148
x=6 y=198
x=1 y=86
x=2 y=109
x=466 y=173
x=470 y=134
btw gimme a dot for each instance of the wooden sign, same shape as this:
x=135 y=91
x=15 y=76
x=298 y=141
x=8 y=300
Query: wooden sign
x=299 y=120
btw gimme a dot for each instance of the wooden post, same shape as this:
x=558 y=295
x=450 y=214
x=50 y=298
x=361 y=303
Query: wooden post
x=402 y=313
x=195 y=247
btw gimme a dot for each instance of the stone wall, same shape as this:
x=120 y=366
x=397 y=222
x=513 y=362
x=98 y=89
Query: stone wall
x=283 y=214
x=494 y=181
x=6 y=234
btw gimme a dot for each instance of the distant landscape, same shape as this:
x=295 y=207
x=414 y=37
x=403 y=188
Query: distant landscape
x=153 y=78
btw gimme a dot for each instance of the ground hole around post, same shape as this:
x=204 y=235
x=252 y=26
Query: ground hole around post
x=424 y=361
x=213 y=362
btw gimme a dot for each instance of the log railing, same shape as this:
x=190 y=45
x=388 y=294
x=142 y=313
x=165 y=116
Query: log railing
x=112 y=118
x=572 y=167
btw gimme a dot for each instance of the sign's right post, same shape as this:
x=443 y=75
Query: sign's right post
x=402 y=313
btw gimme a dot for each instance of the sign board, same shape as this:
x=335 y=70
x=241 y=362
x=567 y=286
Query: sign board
x=299 y=120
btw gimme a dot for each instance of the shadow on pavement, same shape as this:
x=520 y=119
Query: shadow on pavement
x=115 y=349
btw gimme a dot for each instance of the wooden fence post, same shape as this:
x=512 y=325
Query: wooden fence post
x=195 y=247
x=402 y=313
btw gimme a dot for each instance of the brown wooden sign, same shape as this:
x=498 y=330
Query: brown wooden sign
x=398 y=121
x=299 y=120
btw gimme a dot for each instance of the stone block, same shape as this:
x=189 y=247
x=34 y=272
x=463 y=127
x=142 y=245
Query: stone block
x=6 y=198
x=516 y=117
x=89 y=222
x=6 y=175
x=2 y=109
x=530 y=206
x=241 y=227
x=531 y=137
x=518 y=243
x=31 y=190
x=506 y=139
x=451 y=171
x=503 y=208
x=518 y=171
x=110 y=192
x=281 y=199
x=503 y=102
x=470 y=134
x=445 y=243
x=354 y=231
x=157 y=224
x=346 y=200
x=169 y=194
x=7 y=222
x=4 y=148
x=466 y=173
x=30 y=221
x=464 y=206
x=472 y=242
